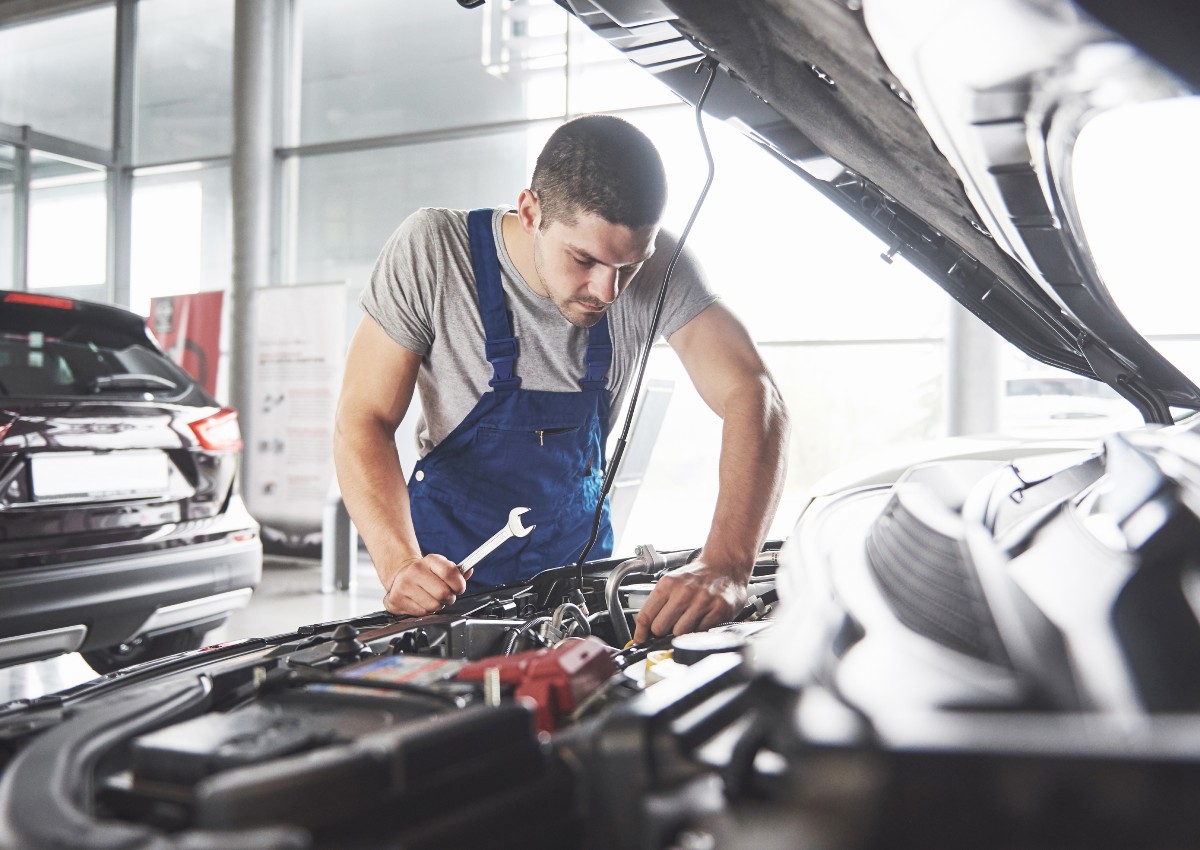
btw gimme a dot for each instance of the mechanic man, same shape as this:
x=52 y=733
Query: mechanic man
x=521 y=330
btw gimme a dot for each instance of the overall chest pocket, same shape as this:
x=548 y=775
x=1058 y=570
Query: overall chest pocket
x=552 y=434
x=535 y=454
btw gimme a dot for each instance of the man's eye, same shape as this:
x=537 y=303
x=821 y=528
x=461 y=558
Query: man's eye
x=584 y=263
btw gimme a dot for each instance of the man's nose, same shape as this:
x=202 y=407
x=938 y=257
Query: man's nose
x=604 y=284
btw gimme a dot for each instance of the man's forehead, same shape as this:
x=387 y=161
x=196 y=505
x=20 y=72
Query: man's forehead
x=612 y=244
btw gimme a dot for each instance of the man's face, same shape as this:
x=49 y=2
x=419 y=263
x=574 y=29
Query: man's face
x=585 y=265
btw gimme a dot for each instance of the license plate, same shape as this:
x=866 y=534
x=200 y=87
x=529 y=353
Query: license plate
x=61 y=476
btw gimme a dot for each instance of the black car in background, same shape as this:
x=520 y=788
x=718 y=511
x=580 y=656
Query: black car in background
x=122 y=532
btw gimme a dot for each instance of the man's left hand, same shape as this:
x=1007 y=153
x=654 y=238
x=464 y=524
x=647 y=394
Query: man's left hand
x=694 y=597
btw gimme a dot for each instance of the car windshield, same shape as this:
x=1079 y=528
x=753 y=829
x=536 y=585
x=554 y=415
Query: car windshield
x=36 y=365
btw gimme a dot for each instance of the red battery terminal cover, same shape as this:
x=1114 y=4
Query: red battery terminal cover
x=556 y=680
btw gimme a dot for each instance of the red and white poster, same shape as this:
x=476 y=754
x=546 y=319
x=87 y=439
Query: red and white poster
x=188 y=327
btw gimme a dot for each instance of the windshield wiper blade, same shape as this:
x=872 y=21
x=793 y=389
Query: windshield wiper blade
x=131 y=381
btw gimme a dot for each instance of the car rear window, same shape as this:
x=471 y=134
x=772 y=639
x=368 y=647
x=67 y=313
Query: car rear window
x=80 y=360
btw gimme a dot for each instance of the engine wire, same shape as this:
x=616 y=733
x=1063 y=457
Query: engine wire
x=712 y=66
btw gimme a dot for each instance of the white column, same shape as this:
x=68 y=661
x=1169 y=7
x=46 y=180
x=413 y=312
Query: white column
x=973 y=383
x=252 y=191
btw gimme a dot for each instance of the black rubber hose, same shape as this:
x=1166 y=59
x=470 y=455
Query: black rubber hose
x=510 y=645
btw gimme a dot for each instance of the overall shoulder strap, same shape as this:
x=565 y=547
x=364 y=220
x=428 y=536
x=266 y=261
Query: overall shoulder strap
x=598 y=356
x=501 y=345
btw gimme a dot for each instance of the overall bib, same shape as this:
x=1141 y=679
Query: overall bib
x=517 y=448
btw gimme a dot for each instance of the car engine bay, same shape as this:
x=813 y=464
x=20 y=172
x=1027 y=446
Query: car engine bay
x=455 y=727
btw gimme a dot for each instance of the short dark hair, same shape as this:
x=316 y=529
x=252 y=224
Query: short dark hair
x=603 y=165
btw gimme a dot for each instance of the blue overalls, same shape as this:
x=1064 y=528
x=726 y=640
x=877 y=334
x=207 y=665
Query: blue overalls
x=517 y=448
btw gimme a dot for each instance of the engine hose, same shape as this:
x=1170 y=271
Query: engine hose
x=525 y=628
x=578 y=618
x=647 y=560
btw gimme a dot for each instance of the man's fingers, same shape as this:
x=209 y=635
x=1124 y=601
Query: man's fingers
x=691 y=612
x=645 y=617
x=663 y=607
x=693 y=618
x=401 y=603
x=449 y=574
x=714 y=617
x=411 y=599
x=424 y=586
x=686 y=601
x=665 y=622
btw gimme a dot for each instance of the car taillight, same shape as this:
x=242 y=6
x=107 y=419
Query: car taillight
x=39 y=300
x=219 y=432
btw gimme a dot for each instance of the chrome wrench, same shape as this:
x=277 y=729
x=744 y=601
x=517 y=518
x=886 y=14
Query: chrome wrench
x=512 y=528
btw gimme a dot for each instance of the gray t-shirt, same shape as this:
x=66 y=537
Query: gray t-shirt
x=422 y=294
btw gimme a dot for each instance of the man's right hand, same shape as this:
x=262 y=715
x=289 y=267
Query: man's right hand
x=425 y=585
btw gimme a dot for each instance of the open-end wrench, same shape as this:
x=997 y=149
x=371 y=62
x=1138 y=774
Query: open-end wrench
x=512 y=528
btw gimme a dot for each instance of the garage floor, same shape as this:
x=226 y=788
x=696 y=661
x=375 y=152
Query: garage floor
x=289 y=596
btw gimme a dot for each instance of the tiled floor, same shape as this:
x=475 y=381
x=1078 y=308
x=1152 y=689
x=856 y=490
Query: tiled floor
x=289 y=596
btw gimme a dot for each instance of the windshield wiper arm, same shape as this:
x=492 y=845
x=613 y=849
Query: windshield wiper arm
x=131 y=381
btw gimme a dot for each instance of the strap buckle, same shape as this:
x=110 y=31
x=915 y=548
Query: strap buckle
x=598 y=358
x=502 y=354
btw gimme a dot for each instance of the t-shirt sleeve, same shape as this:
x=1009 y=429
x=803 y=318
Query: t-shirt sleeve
x=688 y=293
x=401 y=294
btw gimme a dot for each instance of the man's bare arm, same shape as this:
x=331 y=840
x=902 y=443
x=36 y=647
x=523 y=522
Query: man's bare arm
x=377 y=388
x=731 y=377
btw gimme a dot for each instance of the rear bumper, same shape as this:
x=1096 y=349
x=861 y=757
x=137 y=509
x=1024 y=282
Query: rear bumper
x=115 y=599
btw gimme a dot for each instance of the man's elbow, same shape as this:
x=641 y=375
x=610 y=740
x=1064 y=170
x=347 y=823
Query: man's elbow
x=343 y=441
x=355 y=431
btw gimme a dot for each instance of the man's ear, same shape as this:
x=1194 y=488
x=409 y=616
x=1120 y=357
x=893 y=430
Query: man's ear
x=529 y=211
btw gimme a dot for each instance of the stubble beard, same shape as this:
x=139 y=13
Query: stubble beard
x=581 y=320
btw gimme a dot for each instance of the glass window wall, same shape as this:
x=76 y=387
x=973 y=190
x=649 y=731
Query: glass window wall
x=347 y=205
x=1042 y=400
x=384 y=67
x=184 y=80
x=895 y=400
x=181 y=234
x=68 y=214
x=7 y=204
x=56 y=75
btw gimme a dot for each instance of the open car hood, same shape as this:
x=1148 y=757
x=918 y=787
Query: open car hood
x=945 y=128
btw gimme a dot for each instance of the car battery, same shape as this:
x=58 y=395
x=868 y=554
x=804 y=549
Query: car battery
x=416 y=670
